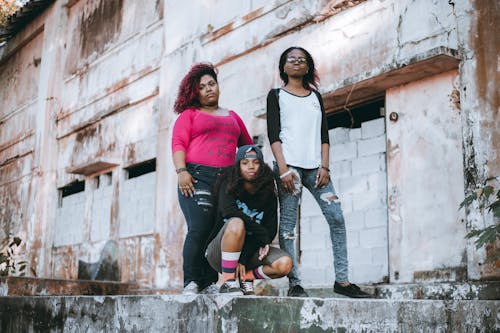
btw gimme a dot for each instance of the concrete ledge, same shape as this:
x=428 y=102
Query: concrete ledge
x=27 y=286
x=473 y=290
x=480 y=290
x=217 y=313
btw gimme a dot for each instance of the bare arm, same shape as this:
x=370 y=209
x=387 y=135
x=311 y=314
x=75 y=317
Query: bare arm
x=186 y=181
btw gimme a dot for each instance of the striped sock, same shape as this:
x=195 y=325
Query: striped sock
x=259 y=273
x=229 y=264
x=249 y=276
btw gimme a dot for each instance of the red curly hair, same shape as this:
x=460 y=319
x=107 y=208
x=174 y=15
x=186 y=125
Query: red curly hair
x=188 y=95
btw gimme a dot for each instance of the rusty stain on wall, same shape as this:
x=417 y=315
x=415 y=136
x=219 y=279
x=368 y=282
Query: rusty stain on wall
x=65 y=264
x=115 y=209
x=334 y=7
x=455 y=98
x=87 y=136
x=100 y=26
x=131 y=156
x=220 y=32
x=252 y=15
x=159 y=8
x=485 y=42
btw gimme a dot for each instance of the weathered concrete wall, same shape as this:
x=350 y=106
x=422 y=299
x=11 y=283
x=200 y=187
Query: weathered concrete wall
x=479 y=101
x=356 y=44
x=88 y=87
x=19 y=79
x=243 y=314
x=426 y=229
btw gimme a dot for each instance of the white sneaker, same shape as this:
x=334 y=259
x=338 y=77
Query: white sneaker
x=191 y=289
x=231 y=287
x=210 y=290
x=247 y=288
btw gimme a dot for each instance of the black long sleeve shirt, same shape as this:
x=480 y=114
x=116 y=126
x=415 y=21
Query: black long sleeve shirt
x=274 y=121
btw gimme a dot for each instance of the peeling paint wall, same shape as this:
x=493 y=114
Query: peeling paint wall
x=426 y=230
x=19 y=79
x=109 y=114
x=88 y=87
x=479 y=100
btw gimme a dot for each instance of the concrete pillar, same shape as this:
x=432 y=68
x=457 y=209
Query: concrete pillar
x=44 y=195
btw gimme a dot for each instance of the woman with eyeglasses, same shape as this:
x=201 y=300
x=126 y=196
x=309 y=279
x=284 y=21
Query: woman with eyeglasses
x=204 y=142
x=298 y=133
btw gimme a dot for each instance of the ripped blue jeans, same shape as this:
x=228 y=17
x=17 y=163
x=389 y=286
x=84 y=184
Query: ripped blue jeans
x=199 y=212
x=330 y=207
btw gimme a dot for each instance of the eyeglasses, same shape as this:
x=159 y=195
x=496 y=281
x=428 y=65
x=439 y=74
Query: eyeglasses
x=293 y=60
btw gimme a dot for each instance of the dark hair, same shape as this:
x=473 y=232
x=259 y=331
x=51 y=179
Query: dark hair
x=188 y=95
x=311 y=79
x=263 y=183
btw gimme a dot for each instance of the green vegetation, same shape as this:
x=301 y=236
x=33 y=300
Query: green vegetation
x=7 y=8
x=487 y=199
x=9 y=264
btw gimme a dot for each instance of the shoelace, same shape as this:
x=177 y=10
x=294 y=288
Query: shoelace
x=232 y=284
x=247 y=286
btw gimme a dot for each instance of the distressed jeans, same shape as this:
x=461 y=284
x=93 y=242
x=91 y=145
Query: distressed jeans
x=199 y=212
x=330 y=207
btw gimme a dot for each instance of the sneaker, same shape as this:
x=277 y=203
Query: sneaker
x=191 y=289
x=297 y=291
x=210 y=289
x=350 y=290
x=247 y=288
x=231 y=287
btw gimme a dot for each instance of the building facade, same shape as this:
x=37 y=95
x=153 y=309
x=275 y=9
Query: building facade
x=410 y=87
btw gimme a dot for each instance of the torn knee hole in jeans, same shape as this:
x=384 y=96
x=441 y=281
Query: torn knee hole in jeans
x=288 y=235
x=330 y=197
x=203 y=198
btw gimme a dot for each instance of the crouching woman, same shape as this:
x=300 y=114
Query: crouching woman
x=246 y=223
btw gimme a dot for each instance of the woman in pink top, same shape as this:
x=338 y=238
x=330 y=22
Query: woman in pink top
x=204 y=143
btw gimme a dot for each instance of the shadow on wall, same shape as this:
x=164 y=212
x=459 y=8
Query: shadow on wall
x=106 y=269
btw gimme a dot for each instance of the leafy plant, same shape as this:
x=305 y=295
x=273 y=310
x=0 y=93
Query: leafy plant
x=7 y=8
x=9 y=265
x=489 y=200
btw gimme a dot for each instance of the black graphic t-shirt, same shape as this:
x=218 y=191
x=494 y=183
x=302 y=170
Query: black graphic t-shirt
x=259 y=213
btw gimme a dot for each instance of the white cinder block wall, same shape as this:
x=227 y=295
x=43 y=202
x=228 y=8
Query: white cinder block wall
x=358 y=164
x=137 y=205
x=70 y=218
x=101 y=210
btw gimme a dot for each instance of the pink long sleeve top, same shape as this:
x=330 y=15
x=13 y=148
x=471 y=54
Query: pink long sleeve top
x=209 y=139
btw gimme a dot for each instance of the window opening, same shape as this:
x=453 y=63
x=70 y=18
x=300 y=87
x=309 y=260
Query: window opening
x=140 y=169
x=102 y=180
x=358 y=114
x=74 y=187
x=258 y=140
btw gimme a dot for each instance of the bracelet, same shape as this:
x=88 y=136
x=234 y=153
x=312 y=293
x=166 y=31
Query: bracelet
x=181 y=170
x=285 y=174
x=324 y=167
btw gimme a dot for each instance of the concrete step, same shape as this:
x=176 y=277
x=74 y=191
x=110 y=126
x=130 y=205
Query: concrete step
x=473 y=290
x=219 y=313
x=28 y=286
